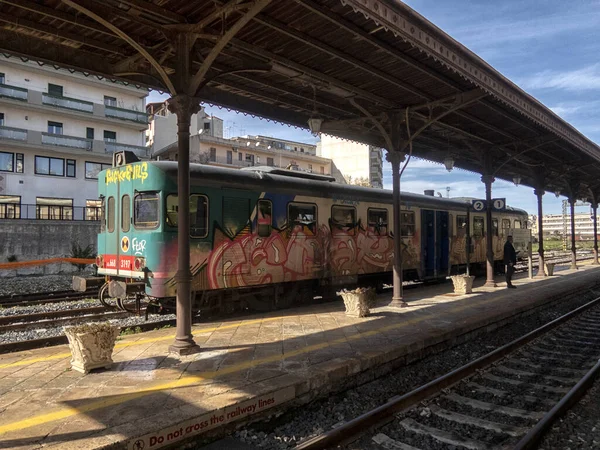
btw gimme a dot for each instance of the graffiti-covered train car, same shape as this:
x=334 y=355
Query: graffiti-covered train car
x=267 y=237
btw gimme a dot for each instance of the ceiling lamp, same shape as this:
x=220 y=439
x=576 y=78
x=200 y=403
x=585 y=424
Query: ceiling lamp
x=314 y=124
x=517 y=180
x=557 y=193
x=449 y=163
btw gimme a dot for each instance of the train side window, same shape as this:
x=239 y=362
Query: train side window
x=343 y=219
x=407 y=223
x=505 y=226
x=265 y=217
x=517 y=224
x=125 y=213
x=171 y=211
x=198 y=216
x=110 y=215
x=145 y=210
x=303 y=215
x=478 y=226
x=494 y=227
x=461 y=226
x=377 y=221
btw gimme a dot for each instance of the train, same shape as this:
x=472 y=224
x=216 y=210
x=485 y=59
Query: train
x=265 y=237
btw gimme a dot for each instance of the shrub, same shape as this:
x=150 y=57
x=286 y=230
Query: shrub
x=12 y=258
x=82 y=253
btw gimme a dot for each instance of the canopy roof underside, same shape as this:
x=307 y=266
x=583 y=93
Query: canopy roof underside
x=338 y=60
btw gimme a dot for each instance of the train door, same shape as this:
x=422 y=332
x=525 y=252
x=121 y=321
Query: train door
x=122 y=229
x=236 y=225
x=442 y=243
x=428 y=243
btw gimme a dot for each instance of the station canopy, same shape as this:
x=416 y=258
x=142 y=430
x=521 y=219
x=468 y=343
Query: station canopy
x=359 y=67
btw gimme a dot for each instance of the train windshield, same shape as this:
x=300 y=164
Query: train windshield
x=146 y=210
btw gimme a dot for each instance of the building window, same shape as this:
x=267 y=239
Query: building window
x=302 y=217
x=322 y=169
x=7 y=162
x=2 y=78
x=207 y=125
x=265 y=217
x=93 y=209
x=478 y=226
x=10 y=207
x=343 y=220
x=49 y=166
x=377 y=220
x=250 y=158
x=54 y=208
x=270 y=162
x=20 y=162
x=71 y=168
x=110 y=101
x=240 y=156
x=55 y=127
x=110 y=136
x=213 y=154
x=407 y=223
x=55 y=89
x=145 y=212
x=92 y=169
x=229 y=157
x=1 y=119
x=198 y=216
x=310 y=167
x=89 y=133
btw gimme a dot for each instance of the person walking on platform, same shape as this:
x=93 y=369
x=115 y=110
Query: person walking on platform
x=510 y=259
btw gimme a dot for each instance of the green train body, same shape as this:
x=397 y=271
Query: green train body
x=272 y=233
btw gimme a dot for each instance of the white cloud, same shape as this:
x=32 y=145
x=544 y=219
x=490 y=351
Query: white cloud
x=586 y=78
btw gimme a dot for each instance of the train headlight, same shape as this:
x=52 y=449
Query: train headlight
x=99 y=260
x=139 y=264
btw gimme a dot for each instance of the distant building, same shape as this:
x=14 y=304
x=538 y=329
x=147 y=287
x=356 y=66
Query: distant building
x=554 y=225
x=57 y=131
x=355 y=162
x=163 y=125
x=247 y=151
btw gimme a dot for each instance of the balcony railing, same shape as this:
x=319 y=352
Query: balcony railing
x=111 y=147
x=13 y=92
x=68 y=103
x=14 y=134
x=66 y=141
x=126 y=114
x=49 y=212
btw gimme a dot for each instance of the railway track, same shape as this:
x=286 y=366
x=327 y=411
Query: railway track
x=39 y=298
x=505 y=399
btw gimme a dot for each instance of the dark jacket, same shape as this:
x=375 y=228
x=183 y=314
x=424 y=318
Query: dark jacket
x=510 y=255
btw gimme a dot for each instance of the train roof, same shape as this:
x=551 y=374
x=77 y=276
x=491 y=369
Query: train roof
x=300 y=183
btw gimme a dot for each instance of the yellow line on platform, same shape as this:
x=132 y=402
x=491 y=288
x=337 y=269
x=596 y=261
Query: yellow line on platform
x=64 y=355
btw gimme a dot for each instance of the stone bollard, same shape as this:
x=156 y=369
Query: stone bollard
x=463 y=284
x=550 y=269
x=91 y=345
x=357 y=301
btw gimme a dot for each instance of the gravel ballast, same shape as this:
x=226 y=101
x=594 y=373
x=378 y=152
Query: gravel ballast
x=300 y=424
x=42 y=283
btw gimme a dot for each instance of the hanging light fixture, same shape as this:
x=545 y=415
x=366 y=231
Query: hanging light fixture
x=449 y=163
x=314 y=122
x=517 y=180
x=557 y=193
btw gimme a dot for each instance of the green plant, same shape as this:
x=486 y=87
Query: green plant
x=128 y=331
x=12 y=258
x=82 y=253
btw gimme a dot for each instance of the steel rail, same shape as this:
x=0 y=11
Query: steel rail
x=535 y=435
x=44 y=297
x=384 y=413
x=5 y=320
x=63 y=320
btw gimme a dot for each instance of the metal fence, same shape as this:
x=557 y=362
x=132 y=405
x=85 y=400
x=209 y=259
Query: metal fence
x=49 y=212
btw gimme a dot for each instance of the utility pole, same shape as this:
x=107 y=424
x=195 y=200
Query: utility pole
x=564 y=217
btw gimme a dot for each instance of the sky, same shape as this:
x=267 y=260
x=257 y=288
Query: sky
x=549 y=48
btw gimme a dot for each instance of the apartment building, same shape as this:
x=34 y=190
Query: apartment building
x=555 y=225
x=356 y=162
x=58 y=130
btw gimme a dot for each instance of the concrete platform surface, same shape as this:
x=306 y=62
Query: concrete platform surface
x=249 y=367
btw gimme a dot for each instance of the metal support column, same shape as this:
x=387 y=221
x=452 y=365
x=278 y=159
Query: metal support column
x=542 y=267
x=489 y=238
x=395 y=158
x=572 y=201
x=595 y=210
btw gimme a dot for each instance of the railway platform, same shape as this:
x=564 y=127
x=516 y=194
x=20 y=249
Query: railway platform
x=250 y=367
